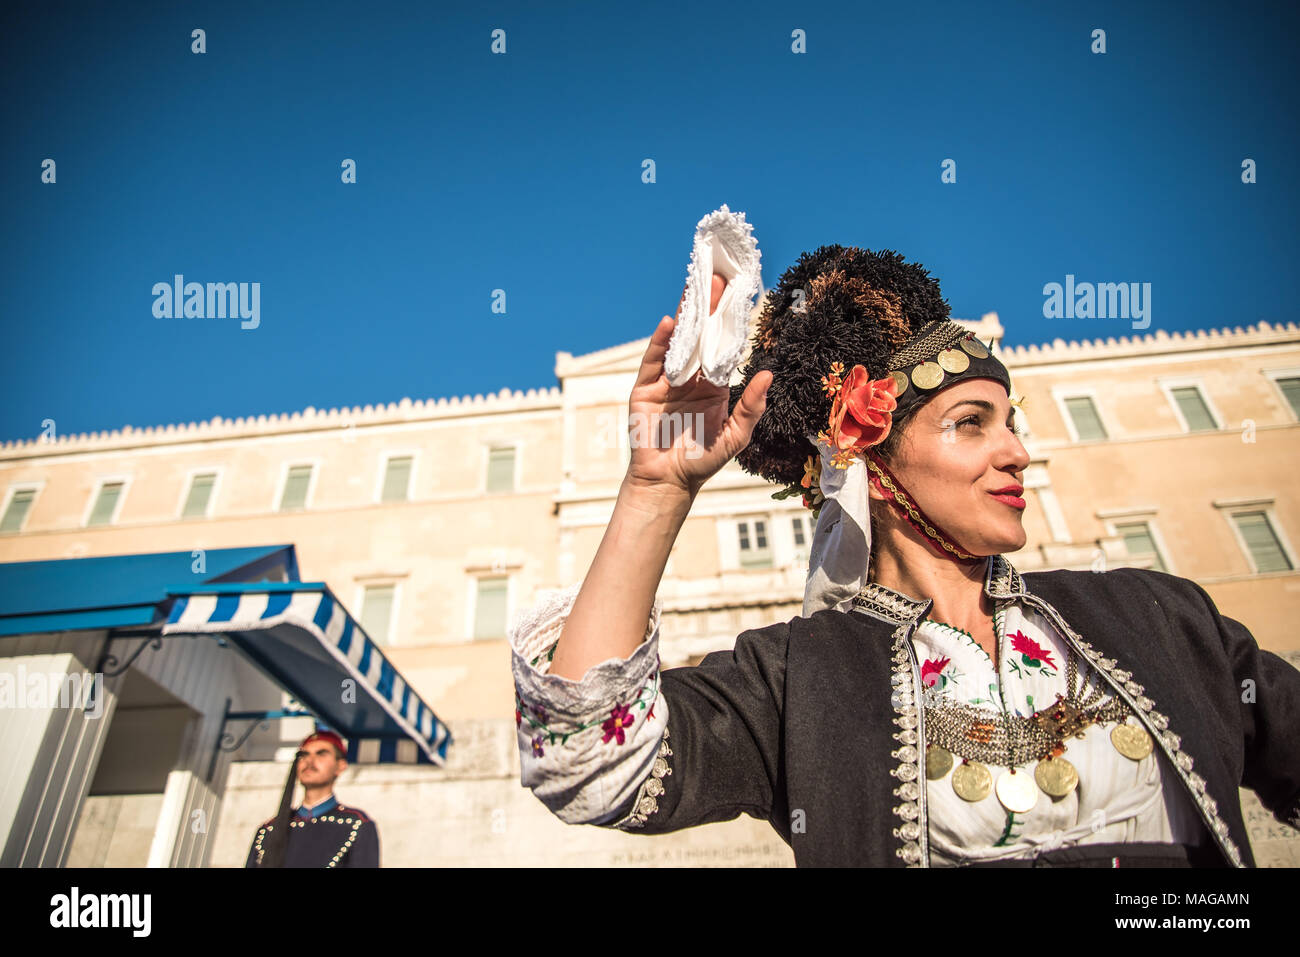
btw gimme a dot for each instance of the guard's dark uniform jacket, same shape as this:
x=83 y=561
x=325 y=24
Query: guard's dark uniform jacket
x=339 y=837
x=761 y=730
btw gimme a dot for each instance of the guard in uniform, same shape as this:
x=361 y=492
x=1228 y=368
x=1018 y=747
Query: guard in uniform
x=322 y=832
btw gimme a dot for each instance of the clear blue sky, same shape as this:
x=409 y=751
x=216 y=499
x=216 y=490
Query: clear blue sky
x=523 y=172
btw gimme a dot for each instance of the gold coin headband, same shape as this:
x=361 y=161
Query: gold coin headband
x=939 y=355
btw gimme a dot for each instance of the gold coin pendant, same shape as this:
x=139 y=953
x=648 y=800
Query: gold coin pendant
x=974 y=347
x=972 y=781
x=1056 y=776
x=938 y=762
x=1131 y=741
x=1017 y=791
x=900 y=379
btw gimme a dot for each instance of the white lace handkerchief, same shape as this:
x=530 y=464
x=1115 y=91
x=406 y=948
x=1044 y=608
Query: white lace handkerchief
x=714 y=344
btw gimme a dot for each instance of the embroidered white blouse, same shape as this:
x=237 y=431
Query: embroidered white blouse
x=587 y=746
x=1117 y=800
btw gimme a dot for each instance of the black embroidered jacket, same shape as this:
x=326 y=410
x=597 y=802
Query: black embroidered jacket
x=341 y=837
x=760 y=730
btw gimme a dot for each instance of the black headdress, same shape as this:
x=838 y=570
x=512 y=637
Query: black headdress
x=842 y=304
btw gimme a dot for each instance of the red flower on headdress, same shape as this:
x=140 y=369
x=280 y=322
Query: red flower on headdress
x=861 y=414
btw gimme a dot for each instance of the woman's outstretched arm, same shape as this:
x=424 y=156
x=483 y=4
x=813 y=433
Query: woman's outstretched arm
x=680 y=437
x=591 y=720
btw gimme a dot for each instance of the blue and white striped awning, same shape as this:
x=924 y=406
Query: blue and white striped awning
x=305 y=640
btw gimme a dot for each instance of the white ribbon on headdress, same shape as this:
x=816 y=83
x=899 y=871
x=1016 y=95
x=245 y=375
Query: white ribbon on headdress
x=841 y=545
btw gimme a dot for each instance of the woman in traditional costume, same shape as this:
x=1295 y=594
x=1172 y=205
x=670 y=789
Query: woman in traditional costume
x=932 y=706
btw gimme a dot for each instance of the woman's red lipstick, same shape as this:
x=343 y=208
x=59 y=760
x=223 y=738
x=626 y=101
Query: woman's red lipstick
x=1010 y=496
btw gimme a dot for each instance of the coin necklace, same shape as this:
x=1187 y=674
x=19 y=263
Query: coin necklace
x=1016 y=789
x=1056 y=776
x=971 y=780
x=959 y=729
x=1131 y=741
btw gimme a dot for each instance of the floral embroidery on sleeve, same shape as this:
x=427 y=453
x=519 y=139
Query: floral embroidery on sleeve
x=550 y=654
x=585 y=746
x=613 y=726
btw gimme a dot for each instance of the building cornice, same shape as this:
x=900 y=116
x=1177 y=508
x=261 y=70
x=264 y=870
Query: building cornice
x=615 y=359
x=1157 y=343
x=309 y=419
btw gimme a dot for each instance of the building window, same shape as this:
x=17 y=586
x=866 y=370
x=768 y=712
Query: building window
x=16 y=510
x=377 y=612
x=1196 y=413
x=754 y=549
x=1263 y=545
x=296 y=484
x=110 y=493
x=200 y=494
x=800 y=523
x=1083 y=414
x=490 y=608
x=501 y=470
x=1141 y=543
x=397 y=479
x=802 y=526
x=1290 y=387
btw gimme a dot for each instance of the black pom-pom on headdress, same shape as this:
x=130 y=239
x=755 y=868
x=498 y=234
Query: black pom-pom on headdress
x=836 y=304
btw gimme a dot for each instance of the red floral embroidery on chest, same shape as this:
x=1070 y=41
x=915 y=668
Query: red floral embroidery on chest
x=1032 y=654
x=932 y=671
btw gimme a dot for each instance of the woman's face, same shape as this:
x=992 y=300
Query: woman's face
x=955 y=452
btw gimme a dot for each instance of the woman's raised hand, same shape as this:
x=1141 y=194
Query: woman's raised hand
x=681 y=436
